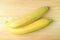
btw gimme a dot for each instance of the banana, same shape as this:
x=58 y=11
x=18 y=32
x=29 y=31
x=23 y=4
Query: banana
x=29 y=18
x=41 y=23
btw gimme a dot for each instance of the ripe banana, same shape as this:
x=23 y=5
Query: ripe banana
x=41 y=23
x=29 y=18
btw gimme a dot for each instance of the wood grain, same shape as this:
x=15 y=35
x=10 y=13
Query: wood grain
x=18 y=8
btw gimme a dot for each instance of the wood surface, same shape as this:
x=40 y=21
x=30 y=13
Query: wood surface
x=11 y=9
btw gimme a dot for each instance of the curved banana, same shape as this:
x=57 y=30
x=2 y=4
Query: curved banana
x=41 y=23
x=29 y=18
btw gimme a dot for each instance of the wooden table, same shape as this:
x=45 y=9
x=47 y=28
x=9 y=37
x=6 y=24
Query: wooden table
x=17 y=8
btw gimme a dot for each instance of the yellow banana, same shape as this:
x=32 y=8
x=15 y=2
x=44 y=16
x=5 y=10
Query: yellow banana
x=30 y=17
x=41 y=23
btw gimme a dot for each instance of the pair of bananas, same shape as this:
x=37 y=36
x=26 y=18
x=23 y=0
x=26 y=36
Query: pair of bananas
x=30 y=22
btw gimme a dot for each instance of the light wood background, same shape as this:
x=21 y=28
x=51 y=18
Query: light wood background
x=18 y=8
